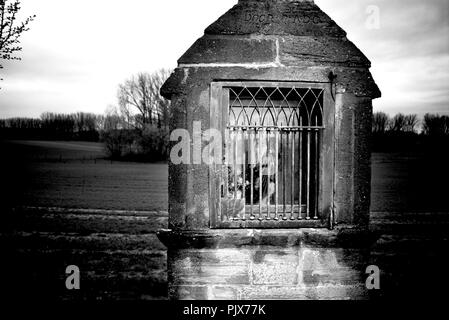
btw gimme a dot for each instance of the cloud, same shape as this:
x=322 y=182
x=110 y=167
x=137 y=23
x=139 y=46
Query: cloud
x=77 y=52
x=409 y=52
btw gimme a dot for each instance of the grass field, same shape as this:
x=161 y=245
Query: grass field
x=76 y=175
x=49 y=183
x=117 y=251
x=410 y=182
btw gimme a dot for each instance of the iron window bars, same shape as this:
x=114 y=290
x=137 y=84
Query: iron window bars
x=273 y=137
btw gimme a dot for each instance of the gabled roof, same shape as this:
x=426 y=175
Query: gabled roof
x=303 y=31
x=278 y=34
x=276 y=17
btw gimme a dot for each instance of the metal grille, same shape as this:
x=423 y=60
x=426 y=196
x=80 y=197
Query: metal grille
x=272 y=154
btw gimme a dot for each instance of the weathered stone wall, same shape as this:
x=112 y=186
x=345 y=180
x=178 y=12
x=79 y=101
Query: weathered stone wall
x=268 y=264
x=267 y=272
x=353 y=159
x=362 y=161
x=189 y=192
x=275 y=41
x=297 y=42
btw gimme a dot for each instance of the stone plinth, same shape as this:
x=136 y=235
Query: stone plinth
x=272 y=41
x=261 y=265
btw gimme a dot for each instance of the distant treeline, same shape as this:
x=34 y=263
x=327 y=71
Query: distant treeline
x=409 y=133
x=137 y=129
x=130 y=137
x=54 y=126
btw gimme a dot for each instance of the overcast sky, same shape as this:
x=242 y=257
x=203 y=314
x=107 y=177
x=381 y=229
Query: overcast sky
x=77 y=52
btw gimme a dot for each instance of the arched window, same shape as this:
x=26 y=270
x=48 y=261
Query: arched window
x=273 y=137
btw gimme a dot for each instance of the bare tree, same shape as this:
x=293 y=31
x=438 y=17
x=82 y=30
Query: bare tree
x=380 y=122
x=11 y=30
x=144 y=132
x=411 y=123
x=127 y=115
x=397 y=124
x=140 y=101
x=112 y=119
x=435 y=125
x=84 y=122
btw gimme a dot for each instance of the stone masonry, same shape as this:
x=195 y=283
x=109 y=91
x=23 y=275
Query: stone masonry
x=272 y=40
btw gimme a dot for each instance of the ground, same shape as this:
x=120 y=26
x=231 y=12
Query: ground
x=76 y=175
x=72 y=206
